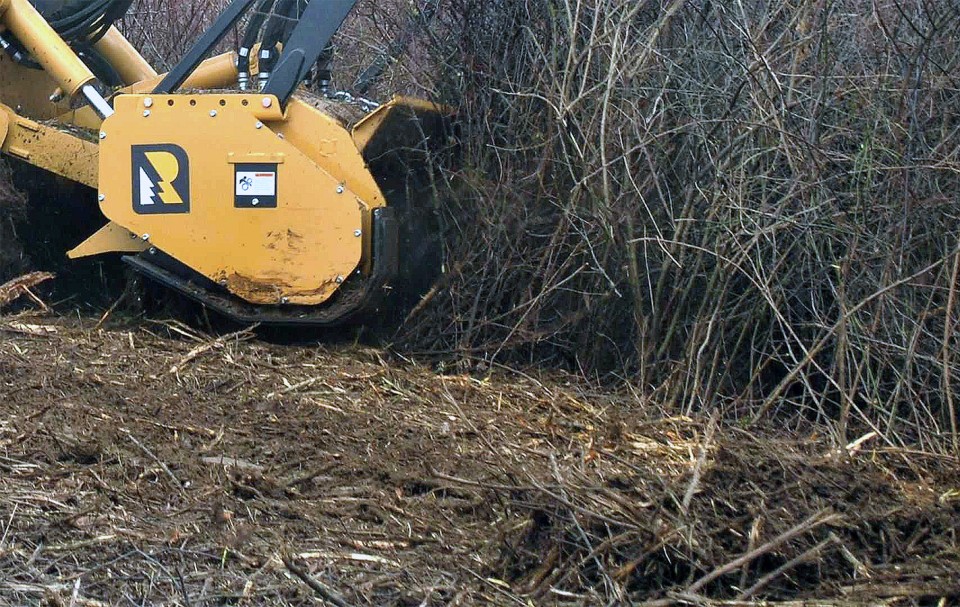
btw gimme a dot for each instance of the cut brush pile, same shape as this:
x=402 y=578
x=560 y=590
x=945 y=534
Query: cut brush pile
x=193 y=471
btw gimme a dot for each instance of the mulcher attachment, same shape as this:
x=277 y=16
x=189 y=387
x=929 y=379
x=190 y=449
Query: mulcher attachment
x=248 y=194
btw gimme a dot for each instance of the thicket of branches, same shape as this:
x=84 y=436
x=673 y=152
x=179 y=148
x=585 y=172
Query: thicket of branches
x=750 y=204
x=746 y=204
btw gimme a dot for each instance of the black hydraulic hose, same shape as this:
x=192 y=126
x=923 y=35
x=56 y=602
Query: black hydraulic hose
x=317 y=27
x=260 y=13
x=81 y=23
x=102 y=69
x=82 y=20
x=202 y=47
x=77 y=23
x=115 y=12
x=322 y=71
x=272 y=35
x=13 y=49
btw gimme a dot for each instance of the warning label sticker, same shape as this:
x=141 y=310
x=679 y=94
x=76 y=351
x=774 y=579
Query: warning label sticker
x=255 y=185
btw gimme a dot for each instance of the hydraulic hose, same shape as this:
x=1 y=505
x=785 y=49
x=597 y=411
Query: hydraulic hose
x=261 y=11
x=272 y=35
x=81 y=20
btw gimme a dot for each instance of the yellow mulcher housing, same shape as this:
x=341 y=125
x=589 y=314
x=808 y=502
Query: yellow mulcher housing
x=226 y=182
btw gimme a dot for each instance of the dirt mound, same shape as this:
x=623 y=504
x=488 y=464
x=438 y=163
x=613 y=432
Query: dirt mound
x=193 y=471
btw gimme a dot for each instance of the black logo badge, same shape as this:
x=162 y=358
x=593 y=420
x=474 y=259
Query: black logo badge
x=161 y=179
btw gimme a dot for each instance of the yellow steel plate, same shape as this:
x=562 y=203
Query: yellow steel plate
x=208 y=181
x=111 y=238
x=29 y=90
x=49 y=148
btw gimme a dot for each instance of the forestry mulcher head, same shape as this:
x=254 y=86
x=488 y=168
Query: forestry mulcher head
x=222 y=179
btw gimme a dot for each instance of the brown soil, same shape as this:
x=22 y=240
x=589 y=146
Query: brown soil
x=178 y=469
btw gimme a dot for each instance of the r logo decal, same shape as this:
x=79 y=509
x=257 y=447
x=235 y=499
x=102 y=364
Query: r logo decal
x=161 y=179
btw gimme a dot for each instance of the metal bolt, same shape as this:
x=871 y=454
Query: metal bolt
x=267 y=102
x=145 y=237
x=259 y=125
x=339 y=189
x=223 y=282
x=146 y=113
x=339 y=279
x=255 y=201
x=213 y=113
x=284 y=300
x=148 y=102
x=103 y=135
x=101 y=197
x=357 y=233
x=153 y=250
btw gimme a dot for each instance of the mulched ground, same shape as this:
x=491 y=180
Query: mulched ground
x=150 y=464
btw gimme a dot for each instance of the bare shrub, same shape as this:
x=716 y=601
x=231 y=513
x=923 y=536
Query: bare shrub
x=162 y=30
x=740 y=204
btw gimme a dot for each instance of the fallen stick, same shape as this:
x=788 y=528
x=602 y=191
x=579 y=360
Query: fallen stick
x=241 y=335
x=43 y=305
x=156 y=459
x=808 y=525
x=28 y=329
x=701 y=460
x=765 y=580
x=303 y=384
x=699 y=601
x=231 y=462
x=325 y=592
x=20 y=286
x=859 y=567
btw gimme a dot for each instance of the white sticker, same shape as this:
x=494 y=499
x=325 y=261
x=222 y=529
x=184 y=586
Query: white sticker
x=256 y=183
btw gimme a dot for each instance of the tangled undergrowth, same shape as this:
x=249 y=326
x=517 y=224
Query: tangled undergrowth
x=744 y=206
